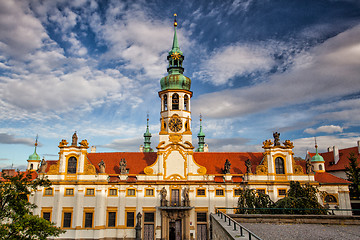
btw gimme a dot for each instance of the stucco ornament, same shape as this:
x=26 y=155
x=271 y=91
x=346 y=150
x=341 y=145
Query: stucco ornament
x=63 y=143
x=267 y=144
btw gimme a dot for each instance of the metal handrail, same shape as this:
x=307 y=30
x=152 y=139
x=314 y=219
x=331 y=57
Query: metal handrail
x=231 y=221
x=297 y=209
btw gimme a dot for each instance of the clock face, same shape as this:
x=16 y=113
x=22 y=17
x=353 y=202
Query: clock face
x=175 y=124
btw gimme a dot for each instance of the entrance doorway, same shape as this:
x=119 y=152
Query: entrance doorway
x=175 y=230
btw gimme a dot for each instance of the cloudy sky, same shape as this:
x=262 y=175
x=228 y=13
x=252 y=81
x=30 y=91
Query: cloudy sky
x=256 y=67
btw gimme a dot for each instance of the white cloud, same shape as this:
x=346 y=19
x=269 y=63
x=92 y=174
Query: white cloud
x=324 y=129
x=231 y=145
x=226 y=63
x=308 y=144
x=20 y=31
x=126 y=145
x=11 y=139
x=332 y=72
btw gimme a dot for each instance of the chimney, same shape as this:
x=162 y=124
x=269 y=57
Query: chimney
x=358 y=147
x=330 y=149
x=93 y=149
x=336 y=154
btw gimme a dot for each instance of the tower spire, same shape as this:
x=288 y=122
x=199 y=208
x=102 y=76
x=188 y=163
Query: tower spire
x=36 y=142
x=34 y=159
x=201 y=137
x=147 y=137
x=175 y=79
x=175 y=46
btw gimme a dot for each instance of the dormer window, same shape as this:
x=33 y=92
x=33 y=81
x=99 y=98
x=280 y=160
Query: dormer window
x=175 y=101
x=279 y=165
x=72 y=163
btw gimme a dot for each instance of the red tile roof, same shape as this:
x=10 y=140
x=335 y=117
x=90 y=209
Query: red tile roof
x=135 y=161
x=13 y=172
x=214 y=161
x=343 y=159
x=327 y=178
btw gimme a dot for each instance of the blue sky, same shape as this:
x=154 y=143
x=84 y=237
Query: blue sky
x=256 y=67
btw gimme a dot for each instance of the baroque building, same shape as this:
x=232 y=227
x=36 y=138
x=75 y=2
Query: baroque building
x=169 y=192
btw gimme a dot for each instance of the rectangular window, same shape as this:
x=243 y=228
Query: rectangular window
x=111 y=219
x=88 y=220
x=149 y=192
x=113 y=192
x=48 y=192
x=237 y=192
x=69 y=192
x=282 y=192
x=149 y=217
x=90 y=192
x=219 y=192
x=201 y=217
x=175 y=197
x=67 y=220
x=200 y=192
x=130 y=192
x=47 y=216
x=130 y=219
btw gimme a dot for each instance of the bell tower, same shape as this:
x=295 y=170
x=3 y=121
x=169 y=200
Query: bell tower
x=175 y=150
x=175 y=98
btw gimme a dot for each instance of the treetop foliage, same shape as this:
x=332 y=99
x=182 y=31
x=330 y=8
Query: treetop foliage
x=299 y=200
x=17 y=220
x=353 y=175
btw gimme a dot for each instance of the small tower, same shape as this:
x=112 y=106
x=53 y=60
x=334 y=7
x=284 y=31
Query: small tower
x=201 y=137
x=317 y=161
x=34 y=159
x=147 y=138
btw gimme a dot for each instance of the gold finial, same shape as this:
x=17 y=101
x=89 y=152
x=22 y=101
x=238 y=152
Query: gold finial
x=175 y=23
x=36 y=141
x=200 y=117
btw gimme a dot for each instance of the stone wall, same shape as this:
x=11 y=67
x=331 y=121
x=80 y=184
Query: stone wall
x=296 y=219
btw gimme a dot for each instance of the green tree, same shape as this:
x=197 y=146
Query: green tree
x=16 y=218
x=250 y=201
x=299 y=198
x=353 y=175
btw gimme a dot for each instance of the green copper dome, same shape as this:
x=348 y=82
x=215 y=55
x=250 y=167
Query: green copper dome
x=175 y=81
x=317 y=157
x=35 y=156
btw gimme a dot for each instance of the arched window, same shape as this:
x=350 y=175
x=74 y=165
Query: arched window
x=320 y=167
x=175 y=101
x=186 y=103
x=31 y=166
x=72 y=162
x=165 y=102
x=279 y=165
x=330 y=199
